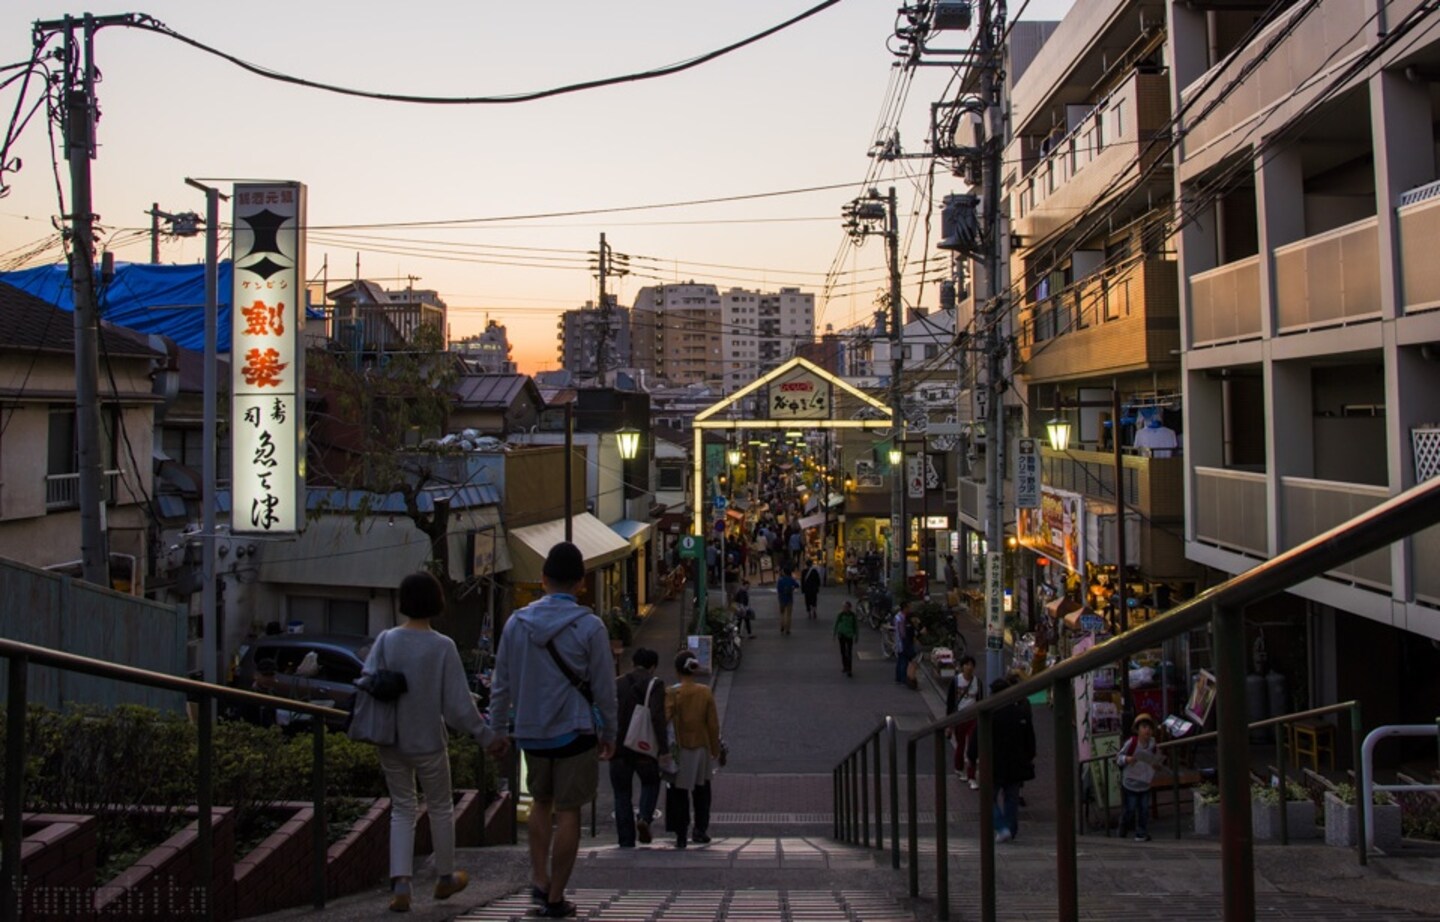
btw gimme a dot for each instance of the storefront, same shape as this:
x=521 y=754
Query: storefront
x=601 y=547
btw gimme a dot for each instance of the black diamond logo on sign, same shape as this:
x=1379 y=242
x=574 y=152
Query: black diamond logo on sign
x=265 y=225
x=264 y=268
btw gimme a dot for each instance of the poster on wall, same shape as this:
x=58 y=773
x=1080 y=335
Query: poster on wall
x=866 y=475
x=267 y=366
x=1056 y=529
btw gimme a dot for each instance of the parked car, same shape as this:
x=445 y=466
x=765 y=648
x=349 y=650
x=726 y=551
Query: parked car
x=283 y=665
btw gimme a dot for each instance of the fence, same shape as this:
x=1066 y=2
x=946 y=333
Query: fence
x=1223 y=607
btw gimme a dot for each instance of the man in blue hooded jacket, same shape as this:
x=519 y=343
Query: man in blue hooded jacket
x=563 y=723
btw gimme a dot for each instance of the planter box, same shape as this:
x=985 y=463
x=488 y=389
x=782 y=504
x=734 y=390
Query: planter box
x=1342 y=824
x=1207 y=817
x=169 y=881
x=57 y=864
x=278 y=873
x=1300 y=814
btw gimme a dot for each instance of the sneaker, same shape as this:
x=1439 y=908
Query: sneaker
x=444 y=889
x=1003 y=835
x=974 y=785
x=700 y=838
x=561 y=910
x=642 y=832
x=1142 y=837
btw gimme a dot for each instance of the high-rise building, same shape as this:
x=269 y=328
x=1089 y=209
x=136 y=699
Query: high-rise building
x=595 y=342
x=691 y=333
x=488 y=351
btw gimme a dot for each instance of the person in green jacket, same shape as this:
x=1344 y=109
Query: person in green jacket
x=846 y=630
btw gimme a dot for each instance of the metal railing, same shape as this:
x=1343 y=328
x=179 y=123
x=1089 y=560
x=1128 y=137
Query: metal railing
x=1279 y=723
x=21 y=656
x=851 y=786
x=1223 y=608
x=62 y=491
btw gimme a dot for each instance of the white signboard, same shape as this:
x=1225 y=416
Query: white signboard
x=800 y=395
x=267 y=360
x=994 y=600
x=1027 y=474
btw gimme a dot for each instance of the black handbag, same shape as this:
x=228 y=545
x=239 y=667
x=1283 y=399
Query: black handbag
x=383 y=684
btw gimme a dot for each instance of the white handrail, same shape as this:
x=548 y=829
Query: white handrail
x=1368 y=787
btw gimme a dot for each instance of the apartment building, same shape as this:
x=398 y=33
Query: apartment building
x=582 y=332
x=1094 y=295
x=692 y=334
x=487 y=352
x=1307 y=188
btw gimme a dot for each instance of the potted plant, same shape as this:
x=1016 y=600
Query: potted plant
x=1265 y=811
x=1207 y=809
x=1342 y=820
x=620 y=630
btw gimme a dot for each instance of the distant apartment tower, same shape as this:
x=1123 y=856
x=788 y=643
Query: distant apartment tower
x=677 y=333
x=691 y=333
x=828 y=352
x=581 y=333
x=488 y=352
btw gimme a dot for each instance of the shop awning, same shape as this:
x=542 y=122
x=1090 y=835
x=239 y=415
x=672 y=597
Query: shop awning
x=633 y=531
x=812 y=521
x=529 y=545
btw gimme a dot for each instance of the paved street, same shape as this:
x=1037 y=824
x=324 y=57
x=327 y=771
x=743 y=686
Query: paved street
x=788 y=714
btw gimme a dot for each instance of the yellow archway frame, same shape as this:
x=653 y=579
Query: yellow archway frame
x=796 y=368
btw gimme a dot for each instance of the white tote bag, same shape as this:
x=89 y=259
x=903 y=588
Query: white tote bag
x=640 y=735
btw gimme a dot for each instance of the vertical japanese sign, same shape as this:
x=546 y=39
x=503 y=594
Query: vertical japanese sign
x=1027 y=474
x=994 y=600
x=267 y=359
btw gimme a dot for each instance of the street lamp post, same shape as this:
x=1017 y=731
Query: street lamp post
x=897 y=468
x=1058 y=432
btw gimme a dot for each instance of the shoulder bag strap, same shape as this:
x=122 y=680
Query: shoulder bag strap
x=581 y=685
x=648 y=689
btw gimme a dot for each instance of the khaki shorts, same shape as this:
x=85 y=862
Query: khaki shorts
x=568 y=783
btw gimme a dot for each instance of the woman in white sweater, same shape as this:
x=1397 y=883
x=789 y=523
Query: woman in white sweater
x=436 y=695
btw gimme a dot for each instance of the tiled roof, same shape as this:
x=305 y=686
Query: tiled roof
x=27 y=322
x=498 y=391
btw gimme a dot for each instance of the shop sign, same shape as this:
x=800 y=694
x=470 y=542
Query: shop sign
x=692 y=547
x=267 y=361
x=1027 y=474
x=801 y=395
x=994 y=601
x=1056 y=529
x=937 y=522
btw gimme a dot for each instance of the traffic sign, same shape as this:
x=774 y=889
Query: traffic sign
x=1091 y=622
x=719 y=504
x=692 y=546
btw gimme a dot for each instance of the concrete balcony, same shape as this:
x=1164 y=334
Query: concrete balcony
x=1321 y=43
x=1225 y=303
x=1105 y=154
x=1154 y=487
x=1329 y=279
x=1315 y=506
x=1120 y=320
x=1419 y=215
x=1231 y=510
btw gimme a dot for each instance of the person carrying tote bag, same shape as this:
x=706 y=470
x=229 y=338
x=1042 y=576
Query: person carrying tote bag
x=436 y=695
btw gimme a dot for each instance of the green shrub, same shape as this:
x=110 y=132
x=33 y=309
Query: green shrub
x=1347 y=794
x=1270 y=794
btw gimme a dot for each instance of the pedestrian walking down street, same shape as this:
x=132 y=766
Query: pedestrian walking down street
x=904 y=646
x=636 y=689
x=810 y=586
x=554 y=681
x=785 y=588
x=436 y=694
x=691 y=710
x=1137 y=760
x=845 y=631
x=965 y=692
x=1013 y=744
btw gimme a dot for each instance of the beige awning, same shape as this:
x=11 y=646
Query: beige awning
x=530 y=544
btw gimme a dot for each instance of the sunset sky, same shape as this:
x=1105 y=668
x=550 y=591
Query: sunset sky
x=797 y=110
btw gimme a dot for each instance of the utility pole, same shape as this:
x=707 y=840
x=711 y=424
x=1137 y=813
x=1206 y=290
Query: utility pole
x=184 y=224
x=994 y=345
x=79 y=129
x=899 y=536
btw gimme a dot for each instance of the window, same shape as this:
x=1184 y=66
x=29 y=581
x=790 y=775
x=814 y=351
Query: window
x=62 y=449
x=330 y=616
x=1117 y=124
x=932 y=350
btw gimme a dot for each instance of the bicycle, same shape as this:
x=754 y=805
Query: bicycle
x=727 y=646
x=887 y=640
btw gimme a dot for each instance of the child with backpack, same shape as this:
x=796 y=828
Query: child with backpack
x=1137 y=760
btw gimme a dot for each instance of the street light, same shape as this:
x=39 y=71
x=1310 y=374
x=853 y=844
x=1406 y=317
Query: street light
x=629 y=441
x=1058 y=431
x=897 y=461
x=734 y=457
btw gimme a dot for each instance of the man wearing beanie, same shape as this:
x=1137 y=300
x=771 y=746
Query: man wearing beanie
x=554 y=685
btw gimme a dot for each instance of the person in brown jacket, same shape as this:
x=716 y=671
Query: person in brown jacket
x=690 y=708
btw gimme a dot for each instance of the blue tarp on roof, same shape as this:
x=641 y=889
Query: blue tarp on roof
x=169 y=300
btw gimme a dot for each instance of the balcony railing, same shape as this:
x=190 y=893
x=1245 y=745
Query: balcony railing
x=1425 y=552
x=1315 y=506
x=1329 y=279
x=1225 y=303
x=62 y=491
x=1419 y=214
x=1231 y=510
